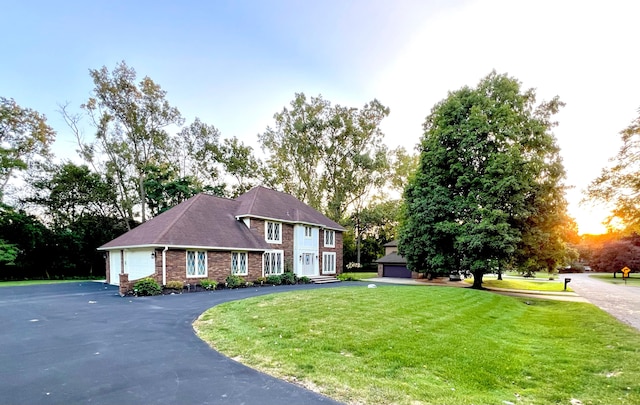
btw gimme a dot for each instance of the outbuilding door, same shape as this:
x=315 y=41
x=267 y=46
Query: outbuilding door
x=396 y=271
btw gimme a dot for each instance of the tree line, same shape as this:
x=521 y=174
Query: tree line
x=484 y=193
x=136 y=157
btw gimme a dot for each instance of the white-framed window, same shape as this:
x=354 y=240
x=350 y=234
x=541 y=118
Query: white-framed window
x=328 y=263
x=273 y=262
x=307 y=232
x=273 y=232
x=196 y=263
x=329 y=238
x=239 y=263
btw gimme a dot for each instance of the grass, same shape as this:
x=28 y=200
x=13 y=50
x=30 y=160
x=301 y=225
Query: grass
x=36 y=282
x=360 y=275
x=633 y=280
x=539 y=275
x=523 y=284
x=435 y=345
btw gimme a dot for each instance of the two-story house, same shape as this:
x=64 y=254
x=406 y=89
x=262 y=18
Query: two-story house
x=260 y=233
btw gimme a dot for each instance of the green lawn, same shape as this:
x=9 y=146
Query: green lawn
x=431 y=345
x=359 y=275
x=539 y=275
x=633 y=280
x=35 y=282
x=523 y=284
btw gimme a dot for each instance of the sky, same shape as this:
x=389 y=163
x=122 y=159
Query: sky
x=234 y=64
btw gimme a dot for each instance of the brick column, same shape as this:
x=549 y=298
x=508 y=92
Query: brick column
x=124 y=283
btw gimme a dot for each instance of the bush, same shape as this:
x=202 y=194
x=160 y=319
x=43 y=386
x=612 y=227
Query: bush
x=147 y=286
x=234 y=281
x=208 y=284
x=288 y=277
x=304 y=280
x=275 y=280
x=347 y=277
x=261 y=280
x=175 y=285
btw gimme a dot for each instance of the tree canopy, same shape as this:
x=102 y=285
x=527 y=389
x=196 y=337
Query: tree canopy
x=489 y=182
x=618 y=184
x=24 y=136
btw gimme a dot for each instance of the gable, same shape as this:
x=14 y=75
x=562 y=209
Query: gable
x=261 y=202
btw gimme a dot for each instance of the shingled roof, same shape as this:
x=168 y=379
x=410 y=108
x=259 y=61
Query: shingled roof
x=206 y=221
x=262 y=202
x=201 y=221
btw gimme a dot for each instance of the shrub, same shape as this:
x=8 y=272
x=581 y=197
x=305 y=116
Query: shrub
x=234 y=281
x=304 y=280
x=288 y=277
x=347 y=277
x=275 y=280
x=261 y=280
x=208 y=284
x=147 y=286
x=175 y=285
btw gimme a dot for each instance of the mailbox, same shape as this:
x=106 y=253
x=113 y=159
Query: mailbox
x=566 y=281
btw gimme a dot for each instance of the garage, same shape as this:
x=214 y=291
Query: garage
x=393 y=264
x=398 y=271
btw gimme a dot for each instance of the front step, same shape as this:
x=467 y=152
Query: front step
x=323 y=279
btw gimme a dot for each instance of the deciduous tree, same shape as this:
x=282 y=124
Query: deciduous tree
x=487 y=155
x=618 y=185
x=24 y=136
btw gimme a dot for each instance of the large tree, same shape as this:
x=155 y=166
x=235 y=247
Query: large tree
x=329 y=156
x=487 y=160
x=24 y=136
x=618 y=185
x=131 y=121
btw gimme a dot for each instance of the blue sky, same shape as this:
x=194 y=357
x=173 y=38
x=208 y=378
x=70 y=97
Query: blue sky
x=235 y=63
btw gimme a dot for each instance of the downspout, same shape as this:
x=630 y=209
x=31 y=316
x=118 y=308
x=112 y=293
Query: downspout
x=164 y=265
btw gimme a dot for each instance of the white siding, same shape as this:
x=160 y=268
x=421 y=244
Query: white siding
x=303 y=244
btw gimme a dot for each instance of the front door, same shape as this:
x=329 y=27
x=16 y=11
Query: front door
x=307 y=264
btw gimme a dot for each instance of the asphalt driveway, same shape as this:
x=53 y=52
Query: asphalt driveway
x=82 y=343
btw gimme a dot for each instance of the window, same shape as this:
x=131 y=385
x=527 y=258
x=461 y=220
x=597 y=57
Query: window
x=273 y=231
x=239 y=262
x=329 y=238
x=272 y=262
x=196 y=263
x=307 y=232
x=329 y=263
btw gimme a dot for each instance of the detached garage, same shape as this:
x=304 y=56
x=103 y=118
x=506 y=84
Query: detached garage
x=392 y=264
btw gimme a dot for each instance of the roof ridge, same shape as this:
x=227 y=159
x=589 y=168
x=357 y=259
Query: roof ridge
x=190 y=202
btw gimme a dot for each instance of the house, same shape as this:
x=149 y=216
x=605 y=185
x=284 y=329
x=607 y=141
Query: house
x=260 y=233
x=394 y=265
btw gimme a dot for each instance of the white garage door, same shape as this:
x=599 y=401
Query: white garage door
x=138 y=263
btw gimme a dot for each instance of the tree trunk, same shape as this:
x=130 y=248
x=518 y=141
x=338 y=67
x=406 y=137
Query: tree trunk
x=143 y=198
x=477 y=280
x=499 y=273
x=358 y=239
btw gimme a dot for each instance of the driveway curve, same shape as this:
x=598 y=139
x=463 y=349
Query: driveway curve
x=621 y=301
x=82 y=343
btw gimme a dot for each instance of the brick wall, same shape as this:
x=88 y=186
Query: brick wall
x=337 y=249
x=218 y=266
x=258 y=225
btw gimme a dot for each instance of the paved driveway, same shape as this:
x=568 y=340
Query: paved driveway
x=621 y=301
x=82 y=343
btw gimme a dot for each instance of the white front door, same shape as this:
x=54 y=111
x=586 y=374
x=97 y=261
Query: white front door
x=308 y=265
